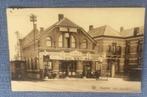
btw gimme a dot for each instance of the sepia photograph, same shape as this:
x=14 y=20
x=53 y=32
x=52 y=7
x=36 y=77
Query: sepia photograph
x=76 y=49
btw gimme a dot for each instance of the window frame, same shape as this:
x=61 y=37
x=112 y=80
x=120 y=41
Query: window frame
x=48 y=41
x=84 y=41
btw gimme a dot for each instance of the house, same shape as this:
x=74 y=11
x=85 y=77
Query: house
x=63 y=48
x=121 y=50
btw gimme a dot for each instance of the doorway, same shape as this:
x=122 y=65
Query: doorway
x=68 y=68
x=87 y=69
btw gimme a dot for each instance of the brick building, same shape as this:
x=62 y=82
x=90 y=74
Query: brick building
x=66 y=48
x=121 y=50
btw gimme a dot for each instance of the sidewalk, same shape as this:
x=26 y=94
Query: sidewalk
x=78 y=85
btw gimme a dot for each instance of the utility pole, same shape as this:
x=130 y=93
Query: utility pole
x=33 y=19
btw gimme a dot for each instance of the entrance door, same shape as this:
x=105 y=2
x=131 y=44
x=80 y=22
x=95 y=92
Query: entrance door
x=87 y=69
x=115 y=69
x=68 y=68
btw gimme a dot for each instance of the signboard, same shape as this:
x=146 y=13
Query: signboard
x=72 y=29
x=63 y=29
x=74 y=55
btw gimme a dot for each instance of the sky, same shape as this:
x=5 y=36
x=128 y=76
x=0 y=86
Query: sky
x=19 y=19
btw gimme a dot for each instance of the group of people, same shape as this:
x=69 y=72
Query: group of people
x=48 y=73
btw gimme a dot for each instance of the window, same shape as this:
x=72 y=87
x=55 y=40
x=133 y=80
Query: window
x=73 y=42
x=46 y=58
x=27 y=64
x=36 y=63
x=67 y=40
x=114 y=48
x=109 y=48
x=48 y=41
x=84 y=44
x=118 y=50
x=61 y=41
x=31 y=64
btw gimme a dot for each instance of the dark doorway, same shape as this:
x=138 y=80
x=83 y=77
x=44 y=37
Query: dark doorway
x=87 y=69
x=68 y=68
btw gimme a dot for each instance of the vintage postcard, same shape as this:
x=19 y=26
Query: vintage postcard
x=76 y=49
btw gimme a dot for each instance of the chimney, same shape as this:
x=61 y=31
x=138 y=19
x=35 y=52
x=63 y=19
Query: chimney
x=90 y=27
x=121 y=29
x=60 y=17
x=136 y=31
x=41 y=29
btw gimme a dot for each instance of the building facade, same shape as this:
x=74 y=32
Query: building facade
x=121 y=51
x=67 y=49
x=64 y=48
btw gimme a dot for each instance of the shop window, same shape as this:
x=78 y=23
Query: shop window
x=48 y=41
x=31 y=64
x=35 y=67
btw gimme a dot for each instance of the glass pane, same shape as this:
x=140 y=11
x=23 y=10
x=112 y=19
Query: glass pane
x=73 y=42
x=60 y=41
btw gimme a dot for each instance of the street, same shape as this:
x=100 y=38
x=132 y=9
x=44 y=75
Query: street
x=78 y=85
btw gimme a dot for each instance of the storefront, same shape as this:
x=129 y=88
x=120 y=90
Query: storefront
x=71 y=64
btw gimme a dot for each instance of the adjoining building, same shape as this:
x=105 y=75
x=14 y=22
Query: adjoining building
x=121 y=51
x=111 y=45
x=67 y=49
x=18 y=70
x=134 y=52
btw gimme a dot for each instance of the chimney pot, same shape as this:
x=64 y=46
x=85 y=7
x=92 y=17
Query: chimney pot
x=41 y=29
x=90 y=27
x=121 y=29
x=60 y=17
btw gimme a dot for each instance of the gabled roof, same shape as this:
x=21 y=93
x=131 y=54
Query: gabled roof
x=66 y=22
x=130 y=32
x=105 y=30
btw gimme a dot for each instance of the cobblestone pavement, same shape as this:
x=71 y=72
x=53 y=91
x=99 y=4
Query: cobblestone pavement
x=78 y=85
